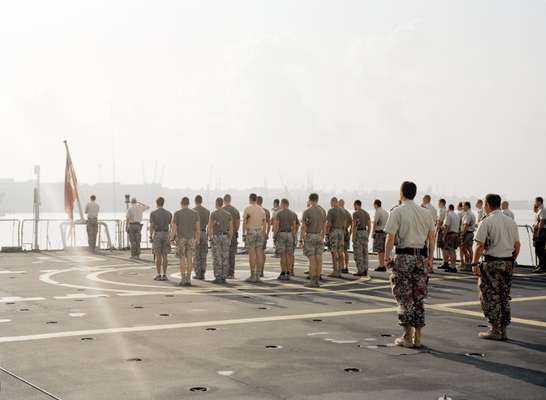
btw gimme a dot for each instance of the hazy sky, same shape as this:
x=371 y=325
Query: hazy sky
x=345 y=94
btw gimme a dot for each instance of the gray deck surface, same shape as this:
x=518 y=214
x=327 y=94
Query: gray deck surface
x=72 y=323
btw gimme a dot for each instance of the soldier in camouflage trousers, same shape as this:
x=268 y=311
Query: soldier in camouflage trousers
x=220 y=232
x=497 y=239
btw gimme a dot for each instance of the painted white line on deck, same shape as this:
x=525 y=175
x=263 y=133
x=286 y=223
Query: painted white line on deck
x=3 y=271
x=18 y=299
x=148 y=328
x=80 y=296
x=5 y=320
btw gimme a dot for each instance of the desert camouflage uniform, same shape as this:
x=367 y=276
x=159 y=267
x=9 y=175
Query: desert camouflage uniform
x=134 y=231
x=495 y=283
x=409 y=278
x=360 y=248
x=202 y=248
x=234 y=238
x=220 y=255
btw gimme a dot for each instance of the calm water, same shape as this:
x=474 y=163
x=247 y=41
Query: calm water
x=50 y=231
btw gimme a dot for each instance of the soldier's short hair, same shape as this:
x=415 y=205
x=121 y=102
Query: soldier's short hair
x=451 y=207
x=442 y=201
x=219 y=202
x=276 y=202
x=539 y=200
x=198 y=199
x=227 y=198
x=479 y=201
x=460 y=205
x=427 y=197
x=467 y=204
x=358 y=203
x=259 y=200
x=333 y=199
x=93 y=197
x=285 y=201
x=313 y=197
x=377 y=202
x=185 y=201
x=160 y=201
x=408 y=189
x=253 y=197
x=494 y=201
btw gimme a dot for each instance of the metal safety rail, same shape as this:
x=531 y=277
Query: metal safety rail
x=10 y=236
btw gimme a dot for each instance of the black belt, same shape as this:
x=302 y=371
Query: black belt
x=203 y=230
x=285 y=231
x=379 y=231
x=412 y=252
x=492 y=258
x=135 y=223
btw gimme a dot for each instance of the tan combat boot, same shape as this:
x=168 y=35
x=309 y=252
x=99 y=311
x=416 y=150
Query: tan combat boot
x=492 y=334
x=406 y=339
x=417 y=337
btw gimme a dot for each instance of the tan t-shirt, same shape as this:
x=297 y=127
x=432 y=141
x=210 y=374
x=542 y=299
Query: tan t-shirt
x=286 y=220
x=185 y=220
x=204 y=216
x=221 y=220
x=336 y=218
x=314 y=218
x=499 y=233
x=411 y=224
x=254 y=217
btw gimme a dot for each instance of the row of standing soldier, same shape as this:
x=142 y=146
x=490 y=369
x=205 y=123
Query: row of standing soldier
x=413 y=229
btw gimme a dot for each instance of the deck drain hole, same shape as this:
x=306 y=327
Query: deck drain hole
x=381 y=345
x=386 y=335
x=10 y=302
x=164 y=315
x=197 y=389
x=273 y=347
x=169 y=295
x=23 y=309
x=475 y=355
x=78 y=300
x=210 y=329
x=87 y=338
x=136 y=359
x=263 y=308
x=352 y=370
x=138 y=307
x=348 y=302
x=483 y=326
x=51 y=322
x=317 y=320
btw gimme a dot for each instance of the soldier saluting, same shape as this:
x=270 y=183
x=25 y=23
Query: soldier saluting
x=415 y=229
x=497 y=239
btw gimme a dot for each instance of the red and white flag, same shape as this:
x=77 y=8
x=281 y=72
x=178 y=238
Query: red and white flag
x=70 y=186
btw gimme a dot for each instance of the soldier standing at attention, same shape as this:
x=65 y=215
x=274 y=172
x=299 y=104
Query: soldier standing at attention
x=349 y=224
x=467 y=236
x=451 y=229
x=312 y=235
x=360 y=230
x=539 y=234
x=479 y=210
x=506 y=210
x=415 y=230
x=220 y=231
x=92 y=211
x=379 y=220
x=236 y=220
x=285 y=226
x=200 y=261
x=186 y=228
x=260 y=201
x=497 y=239
x=254 y=229
x=160 y=223
x=276 y=208
x=335 y=229
x=134 y=226
x=426 y=203
x=441 y=233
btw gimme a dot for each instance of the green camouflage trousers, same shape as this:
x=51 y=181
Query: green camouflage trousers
x=220 y=255
x=409 y=279
x=360 y=251
x=200 y=257
x=495 y=283
x=232 y=253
